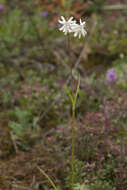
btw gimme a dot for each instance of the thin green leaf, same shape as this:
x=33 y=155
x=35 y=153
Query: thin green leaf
x=77 y=91
x=49 y=179
x=69 y=94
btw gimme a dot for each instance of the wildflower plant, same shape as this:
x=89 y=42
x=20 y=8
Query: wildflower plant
x=111 y=76
x=67 y=27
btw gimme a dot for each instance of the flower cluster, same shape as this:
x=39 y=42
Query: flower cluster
x=111 y=76
x=70 y=26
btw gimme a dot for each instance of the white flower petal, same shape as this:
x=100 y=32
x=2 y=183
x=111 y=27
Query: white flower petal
x=75 y=34
x=61 y=22
x=70 y=19
x=79 y=35
x=63 y=18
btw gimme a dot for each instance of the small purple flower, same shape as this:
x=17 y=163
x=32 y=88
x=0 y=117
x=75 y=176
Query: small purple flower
x=43 y=14
x=111 y=75
x=1 y=7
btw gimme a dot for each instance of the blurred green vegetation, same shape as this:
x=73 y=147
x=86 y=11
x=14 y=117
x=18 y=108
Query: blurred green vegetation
x=35 y=110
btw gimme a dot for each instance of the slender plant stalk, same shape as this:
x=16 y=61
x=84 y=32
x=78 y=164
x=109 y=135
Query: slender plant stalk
x=70 y=63
x=73 y=145
x=73 y=97
x=49 y=179
x=73 y=111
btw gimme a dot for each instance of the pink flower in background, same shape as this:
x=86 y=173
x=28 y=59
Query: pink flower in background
x=43 y=14
x=1 y=7
x=111 y=75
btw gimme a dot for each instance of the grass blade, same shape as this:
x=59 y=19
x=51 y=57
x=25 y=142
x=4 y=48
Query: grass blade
x=77 y=91
x=49 y=179
x=69 y=94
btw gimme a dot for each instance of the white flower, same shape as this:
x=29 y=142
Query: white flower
x=70 y=26
x=79 y=30
x=66 y=25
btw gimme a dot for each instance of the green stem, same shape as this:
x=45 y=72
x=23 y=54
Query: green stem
x=70 y=62
x=73 y=145
x=73 y=111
